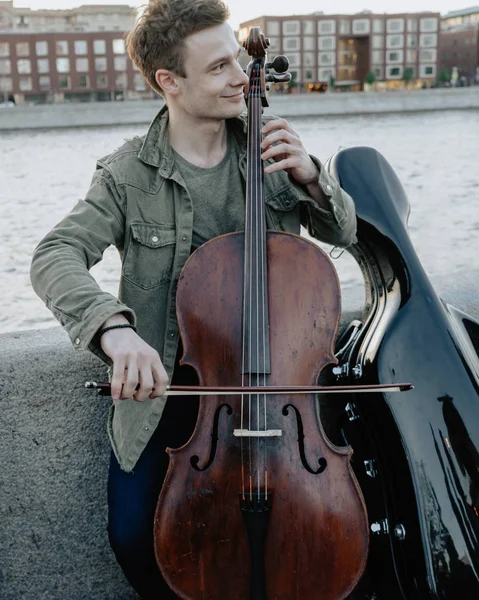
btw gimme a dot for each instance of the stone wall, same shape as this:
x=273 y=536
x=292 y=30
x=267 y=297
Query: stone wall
x=291 y=105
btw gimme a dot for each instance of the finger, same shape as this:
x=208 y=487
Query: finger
x=275 y=124
x=279 y=136
x=161 y=379
x=146 y=384
x=130 y=380
x=281 y=165
x=280 y=151
x=117 y=377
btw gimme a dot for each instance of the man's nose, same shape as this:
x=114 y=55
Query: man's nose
x=240 y=75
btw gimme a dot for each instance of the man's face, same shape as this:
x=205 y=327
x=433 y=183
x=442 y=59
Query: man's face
x=213 y=87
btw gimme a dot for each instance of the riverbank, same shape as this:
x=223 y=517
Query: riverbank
x=94 y=114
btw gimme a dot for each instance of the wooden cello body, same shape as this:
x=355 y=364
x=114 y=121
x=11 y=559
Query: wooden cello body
x=259 y=505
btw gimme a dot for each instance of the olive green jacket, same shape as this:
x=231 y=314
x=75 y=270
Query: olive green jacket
x=138 y=202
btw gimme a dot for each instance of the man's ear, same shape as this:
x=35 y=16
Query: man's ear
x=167 y=81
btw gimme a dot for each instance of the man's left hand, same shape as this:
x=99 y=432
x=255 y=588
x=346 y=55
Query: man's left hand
x=288 y=152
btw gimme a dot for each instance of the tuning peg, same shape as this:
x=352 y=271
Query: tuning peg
x=280 y=64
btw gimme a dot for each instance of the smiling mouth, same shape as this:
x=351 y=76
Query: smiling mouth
x=234 y=95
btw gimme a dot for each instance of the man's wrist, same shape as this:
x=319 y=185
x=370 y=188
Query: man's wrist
x=116 y=319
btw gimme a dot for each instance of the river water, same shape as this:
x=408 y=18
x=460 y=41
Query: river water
x=44 y=173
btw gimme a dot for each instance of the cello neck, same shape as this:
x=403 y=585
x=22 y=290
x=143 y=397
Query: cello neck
x=255 y=291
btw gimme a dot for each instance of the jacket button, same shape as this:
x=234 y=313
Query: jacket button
x=154 y=238
x=77 y=342
x=329 y=188
x=287 y=202
x=184 y=238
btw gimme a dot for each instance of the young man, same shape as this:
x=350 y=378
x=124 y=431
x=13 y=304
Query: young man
x=157 y=199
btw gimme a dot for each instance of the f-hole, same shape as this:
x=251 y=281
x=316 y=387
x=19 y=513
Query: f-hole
x=322 y=462
x=194 y=460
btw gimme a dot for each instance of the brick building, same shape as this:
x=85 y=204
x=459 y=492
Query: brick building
x=348 y=47
x=459 y=45
x=77 y=54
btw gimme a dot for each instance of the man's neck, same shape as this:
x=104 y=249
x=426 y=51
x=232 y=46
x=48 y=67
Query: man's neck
x=200 y=142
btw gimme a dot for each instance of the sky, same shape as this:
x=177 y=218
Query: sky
x=244 y=10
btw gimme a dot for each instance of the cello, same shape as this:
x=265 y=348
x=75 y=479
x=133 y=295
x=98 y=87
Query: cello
x=259 y=504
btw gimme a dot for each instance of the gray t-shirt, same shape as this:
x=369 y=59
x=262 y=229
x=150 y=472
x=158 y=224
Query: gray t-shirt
x=217 y=194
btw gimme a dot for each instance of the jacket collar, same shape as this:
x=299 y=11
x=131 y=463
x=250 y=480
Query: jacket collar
x=156 y=151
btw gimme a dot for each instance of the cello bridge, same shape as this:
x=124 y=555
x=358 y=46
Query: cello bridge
x=257 y=433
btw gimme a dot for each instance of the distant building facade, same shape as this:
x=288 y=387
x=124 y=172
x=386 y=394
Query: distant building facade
x=459 y=46
x=58 y=55
x=345 y=48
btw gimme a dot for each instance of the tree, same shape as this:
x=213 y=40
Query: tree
x=292 y=83
x=407 y=75
x=444 y=76
x=331 y=83
x=370 y=78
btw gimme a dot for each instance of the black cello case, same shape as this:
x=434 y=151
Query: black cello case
x=416 y=454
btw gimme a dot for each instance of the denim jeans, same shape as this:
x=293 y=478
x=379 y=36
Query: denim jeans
x=132 y=499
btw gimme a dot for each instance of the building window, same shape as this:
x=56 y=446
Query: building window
x=293 y=59
x=99 y=46
x=4 y=49
x=309 y=43
x=427 y=56
x=412 y=25
x=82 y=65
x=5 y=66
x=6 y=84
x=308 y=27
x=411 y=40
x=291 y=28
x=63 y=65
x=24 y=66
x=326 y=43
x=378 y=41
x=309 y=75
x=395 y=25
x=412 y=69
x=361 y=26
x=395 y=57
x=344 y=26
x=308 y=59
x=326 y=27
x=428 y=24
x=100 y=64
x=121 y=81
x=119 y=46
x=41 y=48
x=291 y=43
x=64 y=82
x=274 y=44
x=428 y=40
x=272 y=27
x=411 y=56
x=394 y=72
x=23 y=49
x=120 y=63
x=379 y=72
x=82 y=81
x=101 y=81
x=326 y=58
x=394 y=41
x=378 y=26
x=43 y=65
x=139 y=83
x=324 y=75
x=427 y=70
x=44 y=83
x=377 y=57
x=61 y=47
x=81 y=47
x=25 y=84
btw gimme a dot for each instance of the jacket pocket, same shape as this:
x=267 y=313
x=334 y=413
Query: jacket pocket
x=149 y=259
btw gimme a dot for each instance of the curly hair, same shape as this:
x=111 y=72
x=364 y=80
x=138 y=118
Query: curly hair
x=157 y=40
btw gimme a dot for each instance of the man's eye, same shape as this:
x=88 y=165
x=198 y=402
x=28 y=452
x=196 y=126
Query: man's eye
x=219 y=67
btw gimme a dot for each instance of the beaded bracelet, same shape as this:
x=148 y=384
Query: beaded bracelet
x=119 y=326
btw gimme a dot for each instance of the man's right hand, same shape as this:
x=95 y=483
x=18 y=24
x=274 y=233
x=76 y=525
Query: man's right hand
x=134 y=362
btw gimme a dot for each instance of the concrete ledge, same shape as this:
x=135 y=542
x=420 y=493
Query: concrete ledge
x=54 y=454
x=96 y=114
